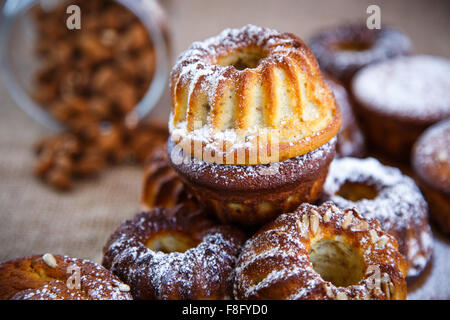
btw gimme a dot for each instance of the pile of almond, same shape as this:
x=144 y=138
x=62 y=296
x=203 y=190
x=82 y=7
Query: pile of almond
x=90 y=79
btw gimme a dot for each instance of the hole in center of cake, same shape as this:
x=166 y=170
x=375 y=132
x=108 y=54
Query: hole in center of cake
x=248 y=58
x=353 y=45
x=337 y=262
x=355 y=191
x=171 y=241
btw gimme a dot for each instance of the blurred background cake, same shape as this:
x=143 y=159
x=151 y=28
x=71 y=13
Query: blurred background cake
x=398 y=99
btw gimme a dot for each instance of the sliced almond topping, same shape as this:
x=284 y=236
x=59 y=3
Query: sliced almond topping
x=360 y=226
x=341 y=296
x=373 y=236
x=301 y=229
x=305 y=221
x=299 y=226
x=387 y=282
x=124 y=287
x=442 y=156
x=391 y=288
x=314 y=222
x=329 y=292
x=347 y=219
x=49 y=260
x=381 y=243
x=327 y=215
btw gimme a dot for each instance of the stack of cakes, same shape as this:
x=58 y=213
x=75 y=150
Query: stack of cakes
x=253 y=130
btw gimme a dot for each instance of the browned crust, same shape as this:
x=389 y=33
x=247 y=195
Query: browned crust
x=132 y=235
x=29 y=275
x=293 y=234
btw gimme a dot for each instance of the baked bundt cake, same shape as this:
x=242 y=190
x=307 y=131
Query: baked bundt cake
x=54 y=277
x=253 y=124
x=398 y=99
x=252 y=195
x=161 y=186
x=343 y=50
x=320 y=253
x=238 y=91
x=431 y=164
x=174 y=254
x=384 y=193
x=351 y=142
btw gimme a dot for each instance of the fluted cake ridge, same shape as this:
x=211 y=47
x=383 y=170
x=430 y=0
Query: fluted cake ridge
x=245 y=91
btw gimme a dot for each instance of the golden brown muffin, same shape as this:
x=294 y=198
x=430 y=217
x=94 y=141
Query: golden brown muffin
x=253 y=122
x=54 y=277
x=431 y=164
x=398 y=99
x=320 y=253
x=174 y=254
x=384 y=193
x=343 y=50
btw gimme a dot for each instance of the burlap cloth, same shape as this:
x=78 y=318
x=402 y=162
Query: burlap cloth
x=36 y=219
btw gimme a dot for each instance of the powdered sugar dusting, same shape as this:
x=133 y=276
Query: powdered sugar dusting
x=200 y=272
x=96 y=283
x=399 y=205
x=238 y=175
x=413 y=86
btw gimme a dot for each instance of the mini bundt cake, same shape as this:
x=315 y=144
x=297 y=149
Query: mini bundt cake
x=385 y=194
x=161 y=186
x=174 y=254
x=235 y=92
x=343 y=50
x=351 y=142
x=54 y=277
x=398 y=99
x=320 y=253
x=252 y=195
x=431 y=163
x=244 y=100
